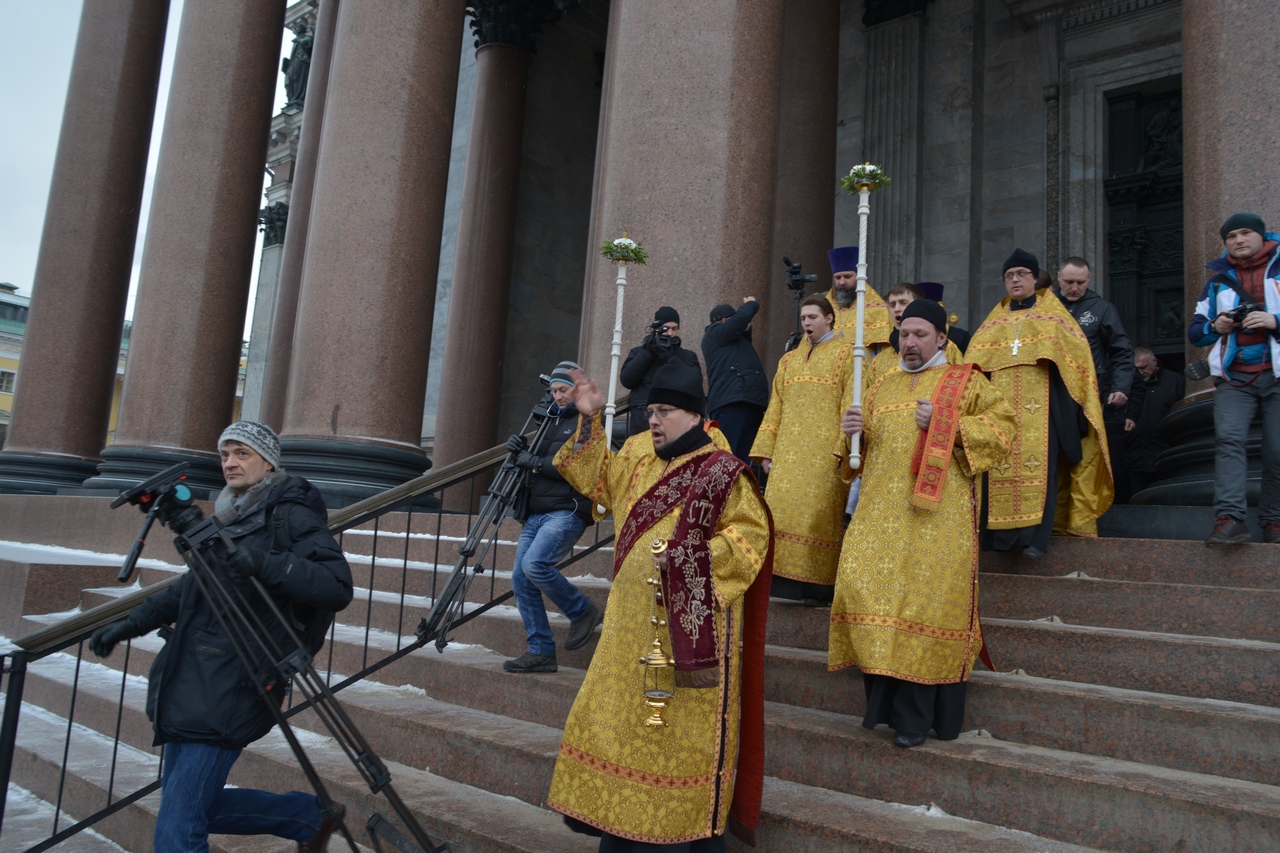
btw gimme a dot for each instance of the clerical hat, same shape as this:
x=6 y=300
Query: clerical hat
x=927 y=310
x=1021 y=258
x=843 y=259
x=931 y=290
x=679 y=385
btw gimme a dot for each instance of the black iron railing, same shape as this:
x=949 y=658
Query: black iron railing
x=408 y=530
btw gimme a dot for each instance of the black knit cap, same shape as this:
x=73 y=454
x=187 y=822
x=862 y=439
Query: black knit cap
x=928 y=310
x=723 y=311
x=1244 y=219
x=679 y=385
x=666 y=314
x=1021 y=258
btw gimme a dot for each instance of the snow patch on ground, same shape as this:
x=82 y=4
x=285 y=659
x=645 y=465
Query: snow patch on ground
x=20 y=552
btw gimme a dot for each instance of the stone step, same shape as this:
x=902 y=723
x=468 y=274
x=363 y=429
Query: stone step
x=1209 y=667
x=28 y=820
x=1250 y=566
x=1207 y=611
x=1207 y=736
x=513 y=759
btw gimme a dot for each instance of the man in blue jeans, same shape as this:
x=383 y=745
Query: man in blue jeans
x=200 y=699
x=557 y=516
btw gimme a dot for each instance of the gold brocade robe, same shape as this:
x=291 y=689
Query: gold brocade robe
x=906 y=597
x=806 y=492
x=658 y=786
x=877 y=322
x=1044 y=333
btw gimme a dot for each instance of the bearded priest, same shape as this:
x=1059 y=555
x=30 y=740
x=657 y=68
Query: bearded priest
x=637 y=783
x=906 y=598
x=876 y=322
x=1058 y=477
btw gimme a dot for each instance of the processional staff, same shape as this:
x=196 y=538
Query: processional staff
x=863 y=180
x=621 y=252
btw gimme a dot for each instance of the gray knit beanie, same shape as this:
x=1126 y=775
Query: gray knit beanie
x=258 y=436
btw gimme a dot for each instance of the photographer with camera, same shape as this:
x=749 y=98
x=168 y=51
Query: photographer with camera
x=201 y=701
x=555 y=514
x=660 y=346
x=1236 y=317
x=739 y=391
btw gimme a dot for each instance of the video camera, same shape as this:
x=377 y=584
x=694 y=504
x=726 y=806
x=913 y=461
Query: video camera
x=167 y=499
x=797 y=283
x=659 y=343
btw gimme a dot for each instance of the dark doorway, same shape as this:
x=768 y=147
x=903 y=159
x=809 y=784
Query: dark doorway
x=1144 y=237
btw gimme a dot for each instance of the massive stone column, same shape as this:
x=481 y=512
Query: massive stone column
x=63 y=400
x=1229 y=77
x=359 y=370
x=804 y=213
x=275 y=384
x=477 y=323
x=184 y=354
x=686 y=159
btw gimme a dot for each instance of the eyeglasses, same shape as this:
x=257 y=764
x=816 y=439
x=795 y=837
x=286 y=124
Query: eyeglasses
x=660 y=412
x=1014 y=275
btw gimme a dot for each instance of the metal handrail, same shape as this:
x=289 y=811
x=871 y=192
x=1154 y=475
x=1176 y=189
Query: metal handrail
x=57 y=636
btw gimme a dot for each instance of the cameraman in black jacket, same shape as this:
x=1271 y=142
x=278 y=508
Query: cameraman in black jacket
x=200 y=700
x=554 y=517
x=660 y=346
x=739 y=393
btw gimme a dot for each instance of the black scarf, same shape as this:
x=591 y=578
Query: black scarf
x=693 y=439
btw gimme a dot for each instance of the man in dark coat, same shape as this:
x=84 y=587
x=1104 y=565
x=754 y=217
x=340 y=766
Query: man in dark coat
x=555 y=516
x=1153 y=394
x=739 y=391
x=201 y=701
x=1112 y=357
x=661 y=345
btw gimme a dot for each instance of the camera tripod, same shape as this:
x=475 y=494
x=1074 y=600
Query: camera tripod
x=270 y=664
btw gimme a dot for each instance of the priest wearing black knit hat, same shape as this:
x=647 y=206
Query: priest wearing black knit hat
x=907 y=580
x=661 y=346
x=709 y=583
x=1058 y=478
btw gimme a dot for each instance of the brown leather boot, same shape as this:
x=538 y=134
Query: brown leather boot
x=1271 y=532
x=1228 y=531
x=318 y=842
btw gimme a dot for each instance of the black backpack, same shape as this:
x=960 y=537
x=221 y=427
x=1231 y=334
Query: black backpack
x=311 y=624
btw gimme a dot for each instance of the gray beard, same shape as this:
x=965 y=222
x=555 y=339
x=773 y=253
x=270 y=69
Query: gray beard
x=845 y=296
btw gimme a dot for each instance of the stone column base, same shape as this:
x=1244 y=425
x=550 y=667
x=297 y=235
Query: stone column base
x=35 y=474
x=1186 y=468
x=125 y=467
x=349 y=471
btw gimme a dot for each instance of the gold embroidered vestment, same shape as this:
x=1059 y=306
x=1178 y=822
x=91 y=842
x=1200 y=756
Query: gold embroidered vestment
x=656 y=785
x=805 y=491
x=1043 y=333
x=906 y=597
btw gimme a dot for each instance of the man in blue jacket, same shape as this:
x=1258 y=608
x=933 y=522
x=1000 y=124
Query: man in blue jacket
x=1238 y=318
x=739 y=391
x=200 y=699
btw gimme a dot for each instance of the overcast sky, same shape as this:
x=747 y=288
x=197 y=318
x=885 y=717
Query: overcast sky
x=37 y=39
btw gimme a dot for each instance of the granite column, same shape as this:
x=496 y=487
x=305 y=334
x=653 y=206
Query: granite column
x=686 y=160
x=275 y=384
x=63 y=401
x=184 y=356
x=804 y=212
x=476 y=331
x=353 y=416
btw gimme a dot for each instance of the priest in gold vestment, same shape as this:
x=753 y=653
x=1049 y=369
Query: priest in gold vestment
x=876 y=323
x=1058 y=476
x=906 y=602
x=805 y=491
x=641 y=785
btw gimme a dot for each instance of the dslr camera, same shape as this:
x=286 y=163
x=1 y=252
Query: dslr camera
x=1244 y=309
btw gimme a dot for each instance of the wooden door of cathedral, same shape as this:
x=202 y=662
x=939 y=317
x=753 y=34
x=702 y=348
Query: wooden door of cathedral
x=1144 y=236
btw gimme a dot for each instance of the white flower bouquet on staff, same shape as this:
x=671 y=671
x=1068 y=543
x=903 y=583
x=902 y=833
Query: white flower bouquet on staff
x=624 y=251
x=864 y=176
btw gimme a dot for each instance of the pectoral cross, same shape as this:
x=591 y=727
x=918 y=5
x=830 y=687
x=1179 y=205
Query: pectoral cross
x=1016 y=343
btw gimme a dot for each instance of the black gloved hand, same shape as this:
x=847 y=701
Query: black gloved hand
x=528 y=461
x=246 y=562
x=105 y=638
x=653 y=343
x=517 y=443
